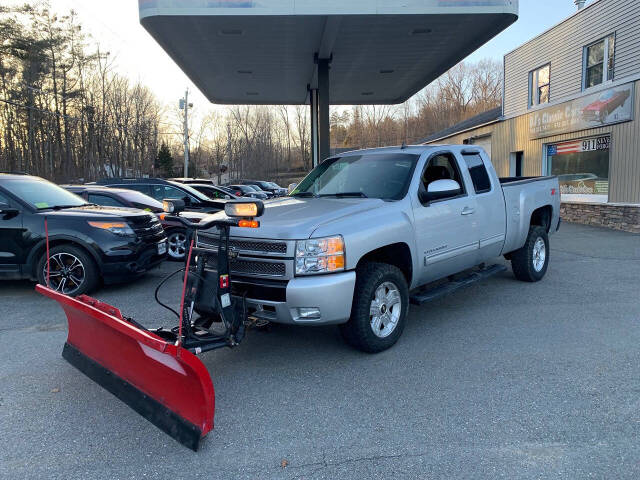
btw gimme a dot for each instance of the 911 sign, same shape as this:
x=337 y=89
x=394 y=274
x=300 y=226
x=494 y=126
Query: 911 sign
x=598 y=143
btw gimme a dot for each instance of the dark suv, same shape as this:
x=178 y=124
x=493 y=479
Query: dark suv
x=125 y=197
x=161 y=189
x=87 y=243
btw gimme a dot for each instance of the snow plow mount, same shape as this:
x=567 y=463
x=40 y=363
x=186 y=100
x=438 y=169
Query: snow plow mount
x=156 y=371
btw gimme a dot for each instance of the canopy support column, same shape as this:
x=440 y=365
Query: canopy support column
x=315 y=145
x=323 y=108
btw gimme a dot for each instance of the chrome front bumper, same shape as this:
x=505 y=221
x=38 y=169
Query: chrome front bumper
x=332 y=294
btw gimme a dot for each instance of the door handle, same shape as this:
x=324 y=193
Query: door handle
x=468 y=211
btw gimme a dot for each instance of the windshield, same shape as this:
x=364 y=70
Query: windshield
x=373 y=175
x=200 y=196
x=42 y=194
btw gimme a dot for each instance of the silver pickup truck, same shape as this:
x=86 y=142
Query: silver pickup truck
x=371 y=231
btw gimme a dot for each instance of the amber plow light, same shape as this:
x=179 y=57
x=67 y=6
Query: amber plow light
x=249 y=224
x=244 y=209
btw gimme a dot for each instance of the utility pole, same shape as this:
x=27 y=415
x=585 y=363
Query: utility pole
x=228 y=149
x=185 y=105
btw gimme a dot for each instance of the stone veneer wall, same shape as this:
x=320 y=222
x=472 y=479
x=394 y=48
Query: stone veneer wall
x=618 y=216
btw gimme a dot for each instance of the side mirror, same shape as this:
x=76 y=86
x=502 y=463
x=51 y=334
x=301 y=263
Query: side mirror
x=7 y=212
x=292 y=187
x=440 y=189
x=186 y=200
x=173 y=206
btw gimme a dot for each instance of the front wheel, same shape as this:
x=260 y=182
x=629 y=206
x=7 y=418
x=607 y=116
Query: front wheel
x=379 y=310
x=177 y=245
x=530 y=262
x=72 y=271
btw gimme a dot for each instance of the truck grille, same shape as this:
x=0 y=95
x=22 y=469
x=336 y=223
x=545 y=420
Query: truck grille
x=252 y=246
x=251 y=267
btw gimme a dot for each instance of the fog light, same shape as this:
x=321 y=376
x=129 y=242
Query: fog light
x=309 y=313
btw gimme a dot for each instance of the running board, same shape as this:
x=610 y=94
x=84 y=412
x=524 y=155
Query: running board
x=425 y=296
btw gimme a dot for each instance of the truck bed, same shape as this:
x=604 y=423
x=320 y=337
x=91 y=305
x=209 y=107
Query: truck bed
x=522 y=196
x=521 y=180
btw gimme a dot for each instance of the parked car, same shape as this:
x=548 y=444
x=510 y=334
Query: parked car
x=124 y=197
x=366 y=231
x=278 y=190
x=264 y=186
x=192 y=180
x=213 y=191
x=256 y=188
x=161 y=189
x=87 y=243
x=246 y=191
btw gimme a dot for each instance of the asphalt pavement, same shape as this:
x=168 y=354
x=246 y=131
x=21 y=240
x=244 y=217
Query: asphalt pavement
x=501 y=380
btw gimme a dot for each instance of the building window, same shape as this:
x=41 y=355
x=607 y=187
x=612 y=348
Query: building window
x=539 y=85
x=582 y=167
x=599 y=62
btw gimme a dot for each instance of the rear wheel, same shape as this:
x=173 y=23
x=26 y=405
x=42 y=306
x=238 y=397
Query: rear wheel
x=379 y=310
x=177 y=245
x=71 y=270
x=530 y=263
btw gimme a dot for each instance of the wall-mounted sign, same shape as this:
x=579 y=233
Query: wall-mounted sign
x=609 y=106
x=577 y=146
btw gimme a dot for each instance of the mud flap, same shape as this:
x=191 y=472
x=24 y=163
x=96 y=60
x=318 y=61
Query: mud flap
x=167 y=385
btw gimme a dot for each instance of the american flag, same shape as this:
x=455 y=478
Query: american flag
x=569 y=147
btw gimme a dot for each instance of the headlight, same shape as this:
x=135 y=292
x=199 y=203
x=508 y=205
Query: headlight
x=118 y=228
x=320 y=255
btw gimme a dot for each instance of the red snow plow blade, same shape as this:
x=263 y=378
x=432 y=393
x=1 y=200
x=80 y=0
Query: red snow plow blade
x=167 y=385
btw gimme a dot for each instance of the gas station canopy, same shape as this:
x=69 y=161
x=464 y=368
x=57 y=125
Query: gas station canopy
x=267 y=51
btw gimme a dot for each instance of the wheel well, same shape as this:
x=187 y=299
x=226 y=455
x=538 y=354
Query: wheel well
x=397 y=254
x=542 y=217
x=55 y=243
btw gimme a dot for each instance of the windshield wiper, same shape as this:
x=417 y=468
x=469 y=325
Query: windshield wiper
x=61 y=207
x=304 y=194
x=345 y=194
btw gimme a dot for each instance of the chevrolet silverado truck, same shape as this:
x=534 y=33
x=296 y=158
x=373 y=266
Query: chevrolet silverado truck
x=368 y=232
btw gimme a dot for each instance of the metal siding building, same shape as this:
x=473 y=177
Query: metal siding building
x=575 y=120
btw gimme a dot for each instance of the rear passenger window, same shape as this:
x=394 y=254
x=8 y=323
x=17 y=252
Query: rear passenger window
x=142 y=188
x=104 y=200
x=478 y=172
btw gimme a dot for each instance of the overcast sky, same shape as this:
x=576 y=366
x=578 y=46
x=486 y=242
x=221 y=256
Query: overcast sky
x=115 y=25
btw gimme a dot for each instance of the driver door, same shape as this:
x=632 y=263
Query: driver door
x=446 y=229
x=12 y=245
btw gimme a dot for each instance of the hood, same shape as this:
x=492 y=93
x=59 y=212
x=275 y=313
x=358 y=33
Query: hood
x=97 y=212
x=297 y=218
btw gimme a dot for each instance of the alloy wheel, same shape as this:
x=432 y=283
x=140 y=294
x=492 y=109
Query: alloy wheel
x=177 y=245
x=385 y=309
x=66 y=273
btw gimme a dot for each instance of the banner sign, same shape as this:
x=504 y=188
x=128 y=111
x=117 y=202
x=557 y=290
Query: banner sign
x=613 y=105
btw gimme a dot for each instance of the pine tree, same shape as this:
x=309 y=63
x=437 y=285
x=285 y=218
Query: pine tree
x=164 y=161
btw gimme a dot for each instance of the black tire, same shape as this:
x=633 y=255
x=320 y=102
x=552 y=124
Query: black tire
x=64 y=254
x=524 y=260
x=177 y=245
x=358 y=331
